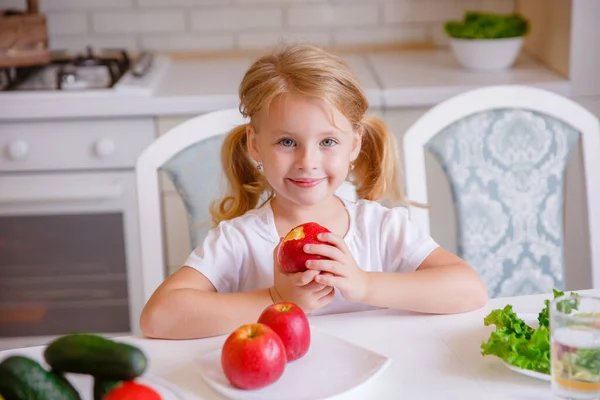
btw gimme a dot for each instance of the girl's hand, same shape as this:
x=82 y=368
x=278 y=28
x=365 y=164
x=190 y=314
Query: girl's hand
x=340 y=270
x=300 y=288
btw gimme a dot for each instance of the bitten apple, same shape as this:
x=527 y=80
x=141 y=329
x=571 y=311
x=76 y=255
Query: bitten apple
x=253 y=356
x=290 y=255
x=290 y=323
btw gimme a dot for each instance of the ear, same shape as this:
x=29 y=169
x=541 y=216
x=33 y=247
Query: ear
x=356 y=142
x=252 y=143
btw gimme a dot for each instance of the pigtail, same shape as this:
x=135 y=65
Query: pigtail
x=377 y=171
x=245 y=183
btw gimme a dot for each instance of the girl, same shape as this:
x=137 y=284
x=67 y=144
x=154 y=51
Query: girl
x=308 y=133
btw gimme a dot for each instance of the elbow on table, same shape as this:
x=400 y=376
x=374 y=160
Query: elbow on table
x=151 y=323
x=477 y=298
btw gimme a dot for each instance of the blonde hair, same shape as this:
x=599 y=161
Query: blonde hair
x=307 y=70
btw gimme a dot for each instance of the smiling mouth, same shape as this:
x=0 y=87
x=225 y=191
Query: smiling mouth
x=306 y=183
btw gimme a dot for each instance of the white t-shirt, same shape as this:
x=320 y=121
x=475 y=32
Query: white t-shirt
x=237 y=255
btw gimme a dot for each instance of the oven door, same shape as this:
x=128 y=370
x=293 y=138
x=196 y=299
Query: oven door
x=69 y=254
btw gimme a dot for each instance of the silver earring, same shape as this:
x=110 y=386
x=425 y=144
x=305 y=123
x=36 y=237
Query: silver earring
x=259 y=166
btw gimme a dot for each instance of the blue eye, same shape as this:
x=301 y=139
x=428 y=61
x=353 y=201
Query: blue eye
x=287 y=142
x=328 y=142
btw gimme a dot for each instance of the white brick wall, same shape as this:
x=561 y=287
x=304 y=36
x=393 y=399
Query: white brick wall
x=324 y=15
x=236 y=19
x=199 y=25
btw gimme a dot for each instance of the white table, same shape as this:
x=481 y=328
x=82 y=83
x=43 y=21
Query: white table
x=434 y=356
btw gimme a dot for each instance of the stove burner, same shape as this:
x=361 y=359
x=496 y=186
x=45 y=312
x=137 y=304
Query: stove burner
x=68 y=71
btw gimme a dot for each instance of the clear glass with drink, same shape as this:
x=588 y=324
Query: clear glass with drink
x=575 y=347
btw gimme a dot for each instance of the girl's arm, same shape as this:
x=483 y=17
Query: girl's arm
x=443 y=284
x=187 y=306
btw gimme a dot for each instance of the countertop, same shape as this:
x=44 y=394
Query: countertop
x=186 y=87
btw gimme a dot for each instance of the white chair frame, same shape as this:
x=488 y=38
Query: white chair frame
x=148 y=190
x=507 y=96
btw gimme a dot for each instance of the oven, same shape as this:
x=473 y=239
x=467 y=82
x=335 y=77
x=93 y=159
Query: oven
x=69 y=246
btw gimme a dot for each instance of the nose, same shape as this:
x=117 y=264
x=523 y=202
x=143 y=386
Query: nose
x=307 y=158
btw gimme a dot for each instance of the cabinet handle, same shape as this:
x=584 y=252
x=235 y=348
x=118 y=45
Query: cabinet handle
x=104 y=147
x=18 y=150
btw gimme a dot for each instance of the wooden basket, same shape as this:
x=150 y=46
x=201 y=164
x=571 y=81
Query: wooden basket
x=23 y=38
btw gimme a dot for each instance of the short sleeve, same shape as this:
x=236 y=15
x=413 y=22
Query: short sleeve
x=405 y=244
x=219 y=257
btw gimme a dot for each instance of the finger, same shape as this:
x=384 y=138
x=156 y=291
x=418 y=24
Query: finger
x=312 y=286
x=326 y=299
x=304 y=278
x=335 y=240
x=324 y=291
x=330 y=280
x=276 y=249
x=326 y=265
x=325 y=250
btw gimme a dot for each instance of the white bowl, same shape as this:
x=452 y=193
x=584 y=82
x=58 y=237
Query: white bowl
x=486 y=54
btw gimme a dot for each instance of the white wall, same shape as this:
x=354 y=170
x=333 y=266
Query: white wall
x=201 y=25
x=585 y=48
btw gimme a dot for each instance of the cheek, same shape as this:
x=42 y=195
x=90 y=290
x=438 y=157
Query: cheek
x=338 y=159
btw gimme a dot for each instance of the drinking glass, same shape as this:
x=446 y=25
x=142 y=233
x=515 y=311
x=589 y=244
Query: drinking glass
x=575 y=347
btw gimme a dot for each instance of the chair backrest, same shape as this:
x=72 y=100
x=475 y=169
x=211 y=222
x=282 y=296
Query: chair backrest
x=190 y=155
x=504 y=151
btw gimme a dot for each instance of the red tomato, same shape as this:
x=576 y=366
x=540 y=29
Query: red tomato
x=131 y=390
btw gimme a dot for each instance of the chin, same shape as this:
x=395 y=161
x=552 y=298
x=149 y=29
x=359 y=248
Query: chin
x=306 y=199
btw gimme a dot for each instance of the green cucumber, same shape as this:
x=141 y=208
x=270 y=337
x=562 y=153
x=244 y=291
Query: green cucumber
x=83 y=353
x=102 y=387
x=22 y=378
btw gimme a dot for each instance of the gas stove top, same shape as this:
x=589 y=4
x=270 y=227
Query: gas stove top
x=100 y=69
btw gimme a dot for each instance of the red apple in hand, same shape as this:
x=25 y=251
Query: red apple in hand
x=290 y=255
x=253 y=356
x=290 y=323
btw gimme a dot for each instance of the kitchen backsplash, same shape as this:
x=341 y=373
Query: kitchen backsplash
x=206 y=25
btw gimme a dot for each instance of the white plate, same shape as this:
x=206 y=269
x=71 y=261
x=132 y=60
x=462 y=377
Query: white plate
x=531 y=320
x=330 y=367
x=528 y=372
x=167 y=391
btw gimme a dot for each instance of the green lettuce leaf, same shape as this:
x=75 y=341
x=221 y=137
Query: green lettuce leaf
x=517 y=343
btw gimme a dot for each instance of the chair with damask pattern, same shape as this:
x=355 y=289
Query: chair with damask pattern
x=504 y=151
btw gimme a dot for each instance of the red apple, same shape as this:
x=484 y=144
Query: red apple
x=290 y=323
x=253 y=356
x=290 y=255
x=131 y=390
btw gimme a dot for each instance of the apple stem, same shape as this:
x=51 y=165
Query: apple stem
x=251 y=333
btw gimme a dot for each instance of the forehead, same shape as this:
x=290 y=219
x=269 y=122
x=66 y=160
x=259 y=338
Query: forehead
x=297 y=113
